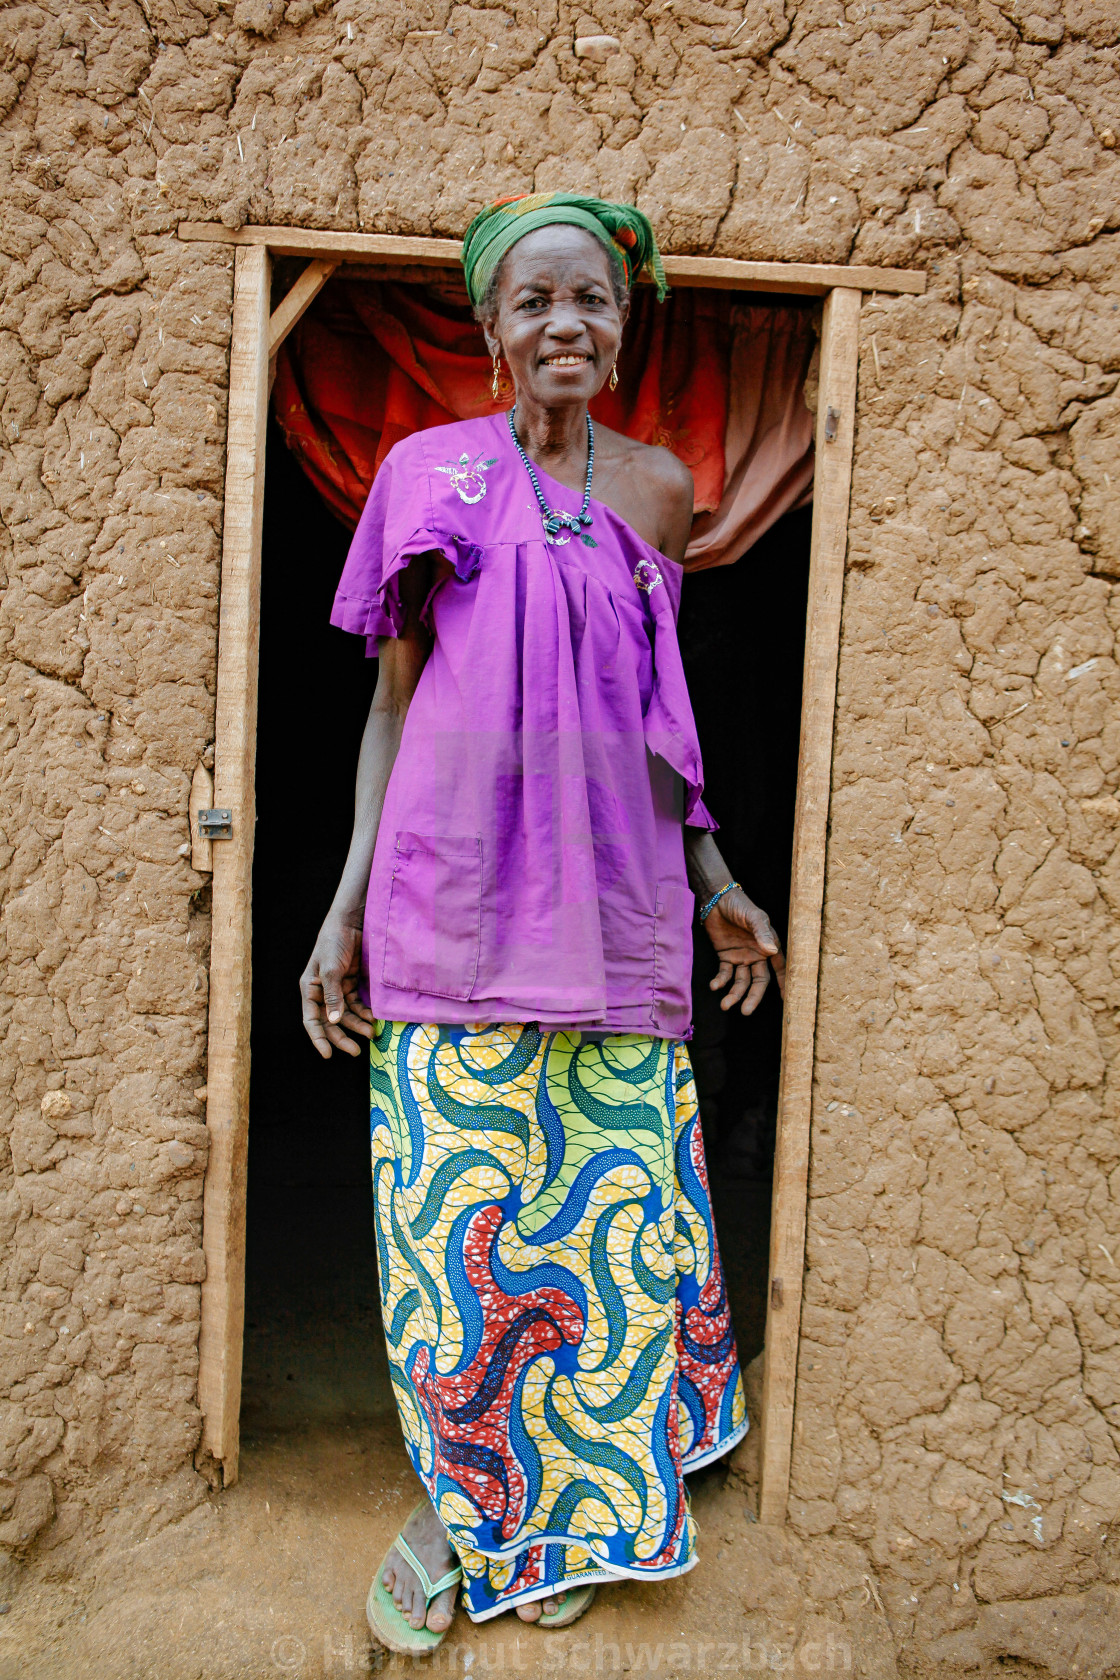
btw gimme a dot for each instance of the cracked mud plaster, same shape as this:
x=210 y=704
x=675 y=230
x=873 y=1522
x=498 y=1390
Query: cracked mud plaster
x=958 y=1395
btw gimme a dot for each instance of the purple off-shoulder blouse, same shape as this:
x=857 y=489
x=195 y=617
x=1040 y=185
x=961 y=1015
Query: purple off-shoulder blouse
x=529 y=863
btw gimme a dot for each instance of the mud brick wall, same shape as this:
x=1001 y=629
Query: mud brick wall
x=958 y=1394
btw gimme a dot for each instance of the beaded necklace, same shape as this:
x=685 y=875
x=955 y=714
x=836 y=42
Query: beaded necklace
x=559 y=526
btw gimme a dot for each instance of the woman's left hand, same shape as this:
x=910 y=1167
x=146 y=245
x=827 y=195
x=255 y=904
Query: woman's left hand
x=747 y=948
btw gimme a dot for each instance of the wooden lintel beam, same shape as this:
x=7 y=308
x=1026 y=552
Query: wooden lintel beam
x=809 y=279
x=299 y=300
x=313 y=242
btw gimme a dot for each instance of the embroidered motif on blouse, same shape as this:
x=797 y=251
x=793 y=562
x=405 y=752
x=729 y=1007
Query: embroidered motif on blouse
x=646 y=575
x=467 y=476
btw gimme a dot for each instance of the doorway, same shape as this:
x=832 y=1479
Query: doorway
x=259 y=327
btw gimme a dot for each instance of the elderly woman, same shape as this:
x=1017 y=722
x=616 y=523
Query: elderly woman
x=512 y=933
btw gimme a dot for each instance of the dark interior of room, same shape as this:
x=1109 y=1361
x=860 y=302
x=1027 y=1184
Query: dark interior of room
x=313 y=1343
x=742 y=635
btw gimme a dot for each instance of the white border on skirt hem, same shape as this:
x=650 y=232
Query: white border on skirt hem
x=691 y=1464
x=602 y=1573
x=596 y=1575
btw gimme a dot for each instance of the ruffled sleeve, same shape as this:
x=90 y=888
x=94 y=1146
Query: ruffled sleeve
x=397 y=524
x=670 y=731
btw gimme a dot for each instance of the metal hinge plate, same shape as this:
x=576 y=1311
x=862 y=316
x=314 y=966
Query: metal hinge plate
x=216 y=823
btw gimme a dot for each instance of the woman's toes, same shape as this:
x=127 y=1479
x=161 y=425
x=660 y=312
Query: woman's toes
x=530 y=1612
x=441 y=1612
x=550 y=1606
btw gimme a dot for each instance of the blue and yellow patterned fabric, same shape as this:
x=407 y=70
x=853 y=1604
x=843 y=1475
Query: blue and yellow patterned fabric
x=559 y=1336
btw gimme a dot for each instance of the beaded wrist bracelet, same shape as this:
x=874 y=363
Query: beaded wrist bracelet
x=714 y=900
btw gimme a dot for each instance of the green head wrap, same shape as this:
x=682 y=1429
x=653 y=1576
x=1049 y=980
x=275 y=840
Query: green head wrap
x=620 y=227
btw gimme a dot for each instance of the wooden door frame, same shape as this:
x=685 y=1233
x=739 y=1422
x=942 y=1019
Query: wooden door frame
x=256 y=334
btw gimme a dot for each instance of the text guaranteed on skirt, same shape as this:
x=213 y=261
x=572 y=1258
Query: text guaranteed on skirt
x=559 y=1337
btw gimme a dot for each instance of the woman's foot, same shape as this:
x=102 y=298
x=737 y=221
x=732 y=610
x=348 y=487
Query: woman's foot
x=538 y=1607
x=560 y=1609
x=428 y=1539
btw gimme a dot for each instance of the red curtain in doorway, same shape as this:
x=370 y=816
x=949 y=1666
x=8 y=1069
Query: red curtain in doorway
x=717 y=381
x=768 y=440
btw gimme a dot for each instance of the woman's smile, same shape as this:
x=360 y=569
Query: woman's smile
x=567 y=358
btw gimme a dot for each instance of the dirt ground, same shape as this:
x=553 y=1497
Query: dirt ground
x=269 y=1579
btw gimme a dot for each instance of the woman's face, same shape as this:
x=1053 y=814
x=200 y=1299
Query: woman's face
x=557 y=323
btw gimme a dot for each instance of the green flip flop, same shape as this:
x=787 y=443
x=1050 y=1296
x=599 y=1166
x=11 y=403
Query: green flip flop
x=386 y=1621
x=573 y=1603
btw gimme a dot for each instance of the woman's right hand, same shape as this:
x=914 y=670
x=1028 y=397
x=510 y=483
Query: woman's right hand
x=329 y=989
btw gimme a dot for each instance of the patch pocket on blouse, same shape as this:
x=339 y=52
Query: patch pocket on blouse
x=433 y=929
x=672 y=952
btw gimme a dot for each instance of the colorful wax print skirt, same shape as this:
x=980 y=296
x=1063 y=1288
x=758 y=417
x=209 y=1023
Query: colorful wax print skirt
x=559 y=1336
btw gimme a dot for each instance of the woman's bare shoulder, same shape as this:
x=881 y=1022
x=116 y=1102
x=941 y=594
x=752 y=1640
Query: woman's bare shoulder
x=656 y=465
x=653 y=489
x=656 y=470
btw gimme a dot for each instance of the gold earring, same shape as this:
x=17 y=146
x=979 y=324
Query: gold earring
x=613 y=381
x=494 y=381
